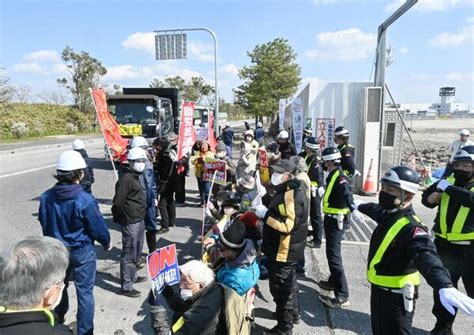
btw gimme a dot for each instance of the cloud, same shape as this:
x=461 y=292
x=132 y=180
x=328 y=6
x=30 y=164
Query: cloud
x=32 y=67
x=201 y=51
x=448 y=40
x=141 y=42
x=42 y=56
x=231 y=69
x=420 y=76
x=430 y=5
x=344 y=45
x=323 y=2
x=460 y=77
x=403 y=50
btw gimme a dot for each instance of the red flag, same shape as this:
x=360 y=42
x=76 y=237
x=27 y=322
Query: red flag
x=109 y=126
x=187 y=136
x=211 y=138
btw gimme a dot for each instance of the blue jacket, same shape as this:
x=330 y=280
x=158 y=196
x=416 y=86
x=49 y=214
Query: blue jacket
x=148 y=182
x=228 y=136
x=242 y=273
x=71 y=215
x=259 y=133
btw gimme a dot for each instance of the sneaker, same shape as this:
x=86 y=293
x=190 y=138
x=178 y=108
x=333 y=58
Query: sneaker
x=441 y=329
x=140 y=279
x=132 y=293
x=325 y=285
x=163 y=230
x=313 y=244
x=336 y=303
x=276 y=330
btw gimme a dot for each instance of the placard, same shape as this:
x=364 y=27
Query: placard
x=212 y=165
x=162 y=265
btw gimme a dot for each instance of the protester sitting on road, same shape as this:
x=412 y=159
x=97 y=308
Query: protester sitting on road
x=88 y=180
x=285 y=147
x=166 y=177
x=240 y=269
x=221 y=154
x=198 y=161
x=148 y=182
x=215 y=211
x=129 y=210
x=71 y=215
x=32 y=281
x=198 y=308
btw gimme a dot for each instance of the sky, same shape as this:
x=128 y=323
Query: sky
x=432 y=44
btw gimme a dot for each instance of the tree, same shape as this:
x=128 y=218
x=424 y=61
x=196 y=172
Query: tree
x=194 y=90
x=5 y=88
x=22 y=93
x=84 y=73
x=53 y=97
x=273 y=75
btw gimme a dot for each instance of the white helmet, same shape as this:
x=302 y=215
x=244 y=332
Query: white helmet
x=70 y=160
x=139 y=141
x=136 y=154
x=283 y=135
x=465 y=132
x=259 y=124
x=78 y=144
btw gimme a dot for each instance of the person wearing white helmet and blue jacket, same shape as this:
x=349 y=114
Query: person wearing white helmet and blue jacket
x=88 y=180
x=72 y=216
x=129 y=210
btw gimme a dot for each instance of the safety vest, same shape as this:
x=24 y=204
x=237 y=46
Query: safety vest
x=313 y=183
x=326 y=208
x=346 y=172
x=391 y=281
x=48 y=313
x=455 y=231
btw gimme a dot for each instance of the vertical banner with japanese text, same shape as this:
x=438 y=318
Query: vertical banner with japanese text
x=187 y=136
x=325 y=132
x=211 y=138
x=297 y=111
x=109 y=126
x=281 y=113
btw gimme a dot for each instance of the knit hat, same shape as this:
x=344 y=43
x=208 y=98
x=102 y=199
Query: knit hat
x=234 y=236
x=249 y=219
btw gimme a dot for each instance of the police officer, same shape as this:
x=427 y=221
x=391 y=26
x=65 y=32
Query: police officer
x=337 y=202
x=454 y=228
x=72 y=215
x=316 y=176
x=341 y=137
x=400 y=245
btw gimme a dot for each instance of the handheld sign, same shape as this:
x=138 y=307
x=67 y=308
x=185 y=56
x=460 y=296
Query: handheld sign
x=163 y=268
x=264 y=167
x=212 y=165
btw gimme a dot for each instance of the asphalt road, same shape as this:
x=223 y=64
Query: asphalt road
x=26 y=173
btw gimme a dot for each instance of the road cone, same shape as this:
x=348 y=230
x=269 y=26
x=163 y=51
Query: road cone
x=370 y=186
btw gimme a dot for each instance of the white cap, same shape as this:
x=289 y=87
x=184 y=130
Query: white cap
x=78 y=144
x=139 y=141
x=283 y=135
x=465 y=132
x=136 y=153
x=259 y=124
x=70 y=160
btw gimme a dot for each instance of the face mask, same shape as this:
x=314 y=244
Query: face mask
x=186 y=294
x=229 y=210
x=220 y=154
x=387 y=200
x=277 y=178
x=462 y=176
x=139 y=166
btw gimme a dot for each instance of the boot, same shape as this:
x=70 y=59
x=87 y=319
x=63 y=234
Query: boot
x=151 y=241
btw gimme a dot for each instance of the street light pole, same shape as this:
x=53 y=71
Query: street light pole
x=379 y=78
x=216 y=112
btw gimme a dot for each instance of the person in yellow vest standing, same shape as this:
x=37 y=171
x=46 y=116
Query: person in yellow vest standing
x=454 y=229
x=337 y=202
x=400 y=247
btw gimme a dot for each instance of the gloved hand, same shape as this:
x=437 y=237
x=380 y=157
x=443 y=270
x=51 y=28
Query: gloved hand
x=443 y=184
x=261 y=211
x=357 y=217
x=451 y=298
x=321 y=191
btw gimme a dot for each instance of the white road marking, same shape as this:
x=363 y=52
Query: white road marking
x=27 y=171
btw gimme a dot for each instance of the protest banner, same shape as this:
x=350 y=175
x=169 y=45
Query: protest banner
x=212 y=165
x=325 y=132
x=297 y=109
x=264 y=169
x=186 y=136
x=162 y=265
x=211 y=138
x=281 y=113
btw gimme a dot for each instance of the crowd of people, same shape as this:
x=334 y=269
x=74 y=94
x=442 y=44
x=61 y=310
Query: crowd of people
x=255 y=228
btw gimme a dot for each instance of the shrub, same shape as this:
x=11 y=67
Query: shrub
x=19 y=129
x=71 y=128
x=38 y=128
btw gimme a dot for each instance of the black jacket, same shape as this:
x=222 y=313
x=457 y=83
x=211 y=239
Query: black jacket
x=202 y=314
x=88 y=179
x=286 y=224
x=347 y=158
x=315 y=170
x=287 y=150
x=341 y=194
x=165 y=172
x=129 y=203
x=228 y=136
x=412 y=249
x=28 y=323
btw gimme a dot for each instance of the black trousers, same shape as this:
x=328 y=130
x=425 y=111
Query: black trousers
x=181 y=188
x=387 y=313
x=284 y=289
x=459 y=260
x=333 y=253
x=167 y=209
x=316 y=218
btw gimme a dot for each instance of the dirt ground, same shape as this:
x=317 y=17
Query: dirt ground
x=433 y=138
